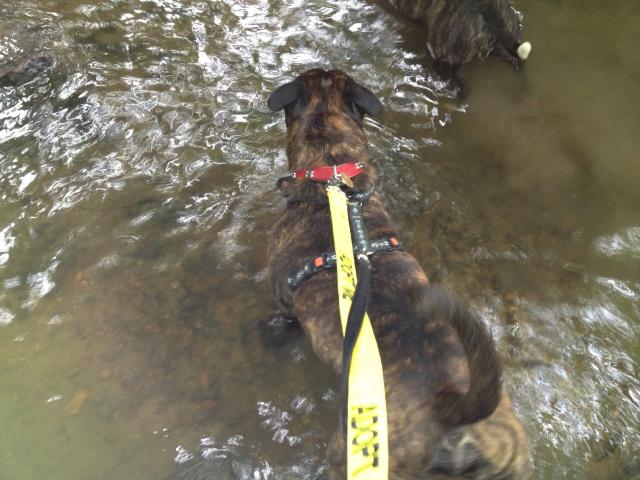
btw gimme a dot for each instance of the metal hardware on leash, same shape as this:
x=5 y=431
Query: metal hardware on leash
x=340 y=179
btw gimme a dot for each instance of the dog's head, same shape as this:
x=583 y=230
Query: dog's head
x=460 y=31
x=324 y=111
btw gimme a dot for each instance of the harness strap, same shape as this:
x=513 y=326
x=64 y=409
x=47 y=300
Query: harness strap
x=328 y=259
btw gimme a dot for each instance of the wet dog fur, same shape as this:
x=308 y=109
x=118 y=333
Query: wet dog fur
x=448 y=414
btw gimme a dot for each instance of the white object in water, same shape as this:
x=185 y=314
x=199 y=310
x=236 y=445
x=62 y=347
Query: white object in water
x=6 y=317
x=524 y=50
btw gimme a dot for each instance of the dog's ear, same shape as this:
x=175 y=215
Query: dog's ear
x=366 y=100
x=283 y=96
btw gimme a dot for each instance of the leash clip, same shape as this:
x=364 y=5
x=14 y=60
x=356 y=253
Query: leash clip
x=340 y=179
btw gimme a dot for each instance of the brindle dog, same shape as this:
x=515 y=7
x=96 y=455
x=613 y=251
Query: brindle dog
x=447 y=412
x=460 y=30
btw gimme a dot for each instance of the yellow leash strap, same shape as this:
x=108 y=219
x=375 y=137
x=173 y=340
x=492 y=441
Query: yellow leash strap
x=367 y=443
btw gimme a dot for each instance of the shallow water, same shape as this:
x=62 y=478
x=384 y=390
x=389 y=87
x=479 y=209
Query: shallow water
x=136 y=187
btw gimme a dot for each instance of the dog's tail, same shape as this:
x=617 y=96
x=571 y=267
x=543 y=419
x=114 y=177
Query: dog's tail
x=504 y=37
x=454 y=407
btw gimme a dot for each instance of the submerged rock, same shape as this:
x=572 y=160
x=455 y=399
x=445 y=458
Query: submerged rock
x=26 y=70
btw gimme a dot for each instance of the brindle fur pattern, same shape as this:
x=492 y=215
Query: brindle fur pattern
x=460 y=30
x=447 y=412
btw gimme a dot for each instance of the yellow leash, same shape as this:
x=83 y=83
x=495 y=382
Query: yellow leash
x=367 y=445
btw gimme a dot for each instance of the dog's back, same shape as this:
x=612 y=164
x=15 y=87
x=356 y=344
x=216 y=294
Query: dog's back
x=447 y=412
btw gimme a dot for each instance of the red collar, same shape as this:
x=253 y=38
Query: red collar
x=324 y=174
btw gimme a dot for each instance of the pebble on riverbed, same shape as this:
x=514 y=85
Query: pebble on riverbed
x=77 y=401
x=510 y=302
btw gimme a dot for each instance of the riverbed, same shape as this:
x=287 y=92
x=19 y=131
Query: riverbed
x=137 y=192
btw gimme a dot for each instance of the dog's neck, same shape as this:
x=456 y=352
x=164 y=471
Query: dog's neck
x=317 y=140
x=320 y=139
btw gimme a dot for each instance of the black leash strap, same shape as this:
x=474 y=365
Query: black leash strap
x=354 y=324
x=360 y=299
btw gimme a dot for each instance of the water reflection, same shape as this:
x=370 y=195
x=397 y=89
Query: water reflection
x=136 y=182
x=624 y=244
x=6 y=317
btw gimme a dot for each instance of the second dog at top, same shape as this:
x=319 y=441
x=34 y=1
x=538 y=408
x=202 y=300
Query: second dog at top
x=459 y=31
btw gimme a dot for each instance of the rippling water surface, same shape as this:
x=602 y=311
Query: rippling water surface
x=136 y=188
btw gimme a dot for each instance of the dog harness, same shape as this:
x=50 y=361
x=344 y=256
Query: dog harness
x=328 y=260
x=363 y=410
x=368 y=247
